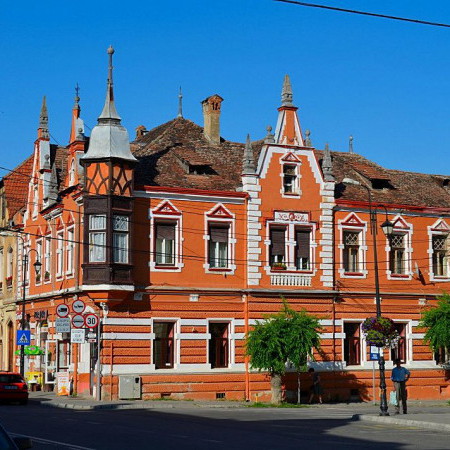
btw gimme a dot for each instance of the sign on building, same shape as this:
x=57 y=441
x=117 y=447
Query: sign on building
x=78 y=336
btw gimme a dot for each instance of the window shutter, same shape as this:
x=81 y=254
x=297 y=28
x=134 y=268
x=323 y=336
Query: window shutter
x=277 y=240
x=165 y=231
x=218 y=234
x=303 y=243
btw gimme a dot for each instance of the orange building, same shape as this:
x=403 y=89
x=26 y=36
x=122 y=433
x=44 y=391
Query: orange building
x=181 y=240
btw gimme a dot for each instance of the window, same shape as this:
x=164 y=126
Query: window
x=47 y=258
x=38 y=258
x=218 y=246
x=289 y=179
x=439 y=243
x=351 y=251
x=63 y=354
x=120 y=239
x=352 y=344
x=70 y=247
x=97 y=238
x=397 y=254
x=399 y=351
x=302 y=249
x=9 y=263
x=165 y=243
x=59 y=253
x=163 y=345
x=218 y=344
x=277 y=247
x=2 y=274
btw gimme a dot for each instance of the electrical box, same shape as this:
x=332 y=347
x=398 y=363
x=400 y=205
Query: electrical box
x=130 y=387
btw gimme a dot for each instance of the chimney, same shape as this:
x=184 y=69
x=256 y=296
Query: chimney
x=211 y=117
x=140 y=131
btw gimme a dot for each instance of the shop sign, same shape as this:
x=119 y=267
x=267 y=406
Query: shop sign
x=62 y=324
x=63 y=383
x=78 y=336
x=40 y=315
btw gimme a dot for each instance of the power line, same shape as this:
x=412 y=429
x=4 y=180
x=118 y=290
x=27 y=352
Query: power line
x=365 y=13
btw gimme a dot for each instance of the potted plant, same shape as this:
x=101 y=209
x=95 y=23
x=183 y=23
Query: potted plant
x=47 y=276
x=380 y=332
x=278 y=266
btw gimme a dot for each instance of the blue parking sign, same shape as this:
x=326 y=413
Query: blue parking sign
x=23 y=337
x=374 y=353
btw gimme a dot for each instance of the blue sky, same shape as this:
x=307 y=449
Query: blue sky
x=385 y=82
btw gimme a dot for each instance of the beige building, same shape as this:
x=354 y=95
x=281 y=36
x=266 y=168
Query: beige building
x=13 y=194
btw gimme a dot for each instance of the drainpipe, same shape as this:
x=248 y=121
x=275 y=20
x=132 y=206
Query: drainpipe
x=247 y=374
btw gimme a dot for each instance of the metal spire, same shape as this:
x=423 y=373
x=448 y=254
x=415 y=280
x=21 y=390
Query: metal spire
x=180 y=104
x=43 y=119
x=249 y=160
x=327 y=164
x=77 y=95
x=350 y=144
x=286 y=93
x=109 y=110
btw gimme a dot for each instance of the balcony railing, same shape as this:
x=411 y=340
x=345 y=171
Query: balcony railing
x=290 y=279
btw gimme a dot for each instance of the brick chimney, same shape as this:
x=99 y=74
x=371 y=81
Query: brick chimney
x=211 y=117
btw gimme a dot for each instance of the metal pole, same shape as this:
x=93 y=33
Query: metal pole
x=373 y=222
x=22 y=324
x=98 y=366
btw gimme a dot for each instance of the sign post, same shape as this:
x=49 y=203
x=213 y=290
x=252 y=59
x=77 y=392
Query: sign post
x=23 y=337
x=374 y=356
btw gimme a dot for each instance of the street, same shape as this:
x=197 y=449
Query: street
x=201 y=428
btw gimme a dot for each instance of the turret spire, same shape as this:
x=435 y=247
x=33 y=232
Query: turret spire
x=350 y=144
x=249 y=160
x=180 y=104
x=286 y=93
x=77 y=128
x=327 y=164
x=109 y=110
x=43 y=120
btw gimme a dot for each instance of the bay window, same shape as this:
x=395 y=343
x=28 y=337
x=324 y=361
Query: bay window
x=97 y=238
x=120 y=239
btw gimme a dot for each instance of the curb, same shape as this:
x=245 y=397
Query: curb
x=396 y=421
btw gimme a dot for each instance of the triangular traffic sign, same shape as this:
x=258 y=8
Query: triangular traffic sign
x=23 y=339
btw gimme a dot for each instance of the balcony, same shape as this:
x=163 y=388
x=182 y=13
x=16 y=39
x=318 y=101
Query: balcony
x=290 y=279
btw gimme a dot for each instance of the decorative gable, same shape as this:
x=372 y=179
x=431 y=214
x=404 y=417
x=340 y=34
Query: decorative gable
x=290 y=158
x=399 y=222
x=167 y=208
x=220 y=212
x=353 y=220
x=441 y=225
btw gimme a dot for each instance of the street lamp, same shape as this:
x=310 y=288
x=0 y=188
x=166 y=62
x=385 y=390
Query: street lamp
x=387 y=228
x=37 y=267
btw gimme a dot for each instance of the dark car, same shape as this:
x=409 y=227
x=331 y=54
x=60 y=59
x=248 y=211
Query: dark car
x=16 y=443
x=13 y=388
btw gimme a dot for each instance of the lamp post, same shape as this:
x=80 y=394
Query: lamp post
x=37 y=267
x=387 y=228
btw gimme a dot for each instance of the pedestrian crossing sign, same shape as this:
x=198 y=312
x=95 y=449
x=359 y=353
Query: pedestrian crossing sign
x=23 y=337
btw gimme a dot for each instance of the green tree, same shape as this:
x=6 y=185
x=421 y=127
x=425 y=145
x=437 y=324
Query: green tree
x=437 y=322
x=288 y=336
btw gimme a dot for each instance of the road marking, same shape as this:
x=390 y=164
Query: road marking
x=48 y=441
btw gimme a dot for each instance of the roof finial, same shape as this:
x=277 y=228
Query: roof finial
x=269 y=139
x=350 y=144
x=43 y=120
x=286 y=93
x=327 y=164
x=77 y=94
x=249 y=160
x=180 y=104
x=109 y=110
x=308 y=142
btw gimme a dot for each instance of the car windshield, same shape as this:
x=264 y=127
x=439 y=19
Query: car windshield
x=10 y=378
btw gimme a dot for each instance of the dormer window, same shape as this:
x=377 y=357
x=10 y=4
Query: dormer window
x=201 y=169
x=290 y=182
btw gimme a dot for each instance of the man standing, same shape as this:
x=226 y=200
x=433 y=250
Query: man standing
x=400 y=376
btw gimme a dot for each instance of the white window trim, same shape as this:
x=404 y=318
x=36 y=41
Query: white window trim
x=362 y=256
x=297 y=192
x=210 y=219
x=176 y=339
x=177 y=218
x=290 y=245
x=40 y=243
x=363 y=344
x=70 y=246
x=407 y=231
x=47 y=258
x=439 y=228
x=231 y=342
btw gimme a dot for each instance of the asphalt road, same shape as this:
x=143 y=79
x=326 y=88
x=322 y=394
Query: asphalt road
x=211 y=428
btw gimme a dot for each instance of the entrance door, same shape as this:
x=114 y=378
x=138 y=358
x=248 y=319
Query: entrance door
x=50 y=361
x=352 y=344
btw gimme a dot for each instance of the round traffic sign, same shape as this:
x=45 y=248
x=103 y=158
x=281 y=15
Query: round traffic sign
x=78 y=321
x=78 y=306
x=91 y=320
x=62 y=310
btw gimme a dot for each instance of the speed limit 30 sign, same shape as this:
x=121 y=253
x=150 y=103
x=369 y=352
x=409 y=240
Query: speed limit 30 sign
x=91 y=320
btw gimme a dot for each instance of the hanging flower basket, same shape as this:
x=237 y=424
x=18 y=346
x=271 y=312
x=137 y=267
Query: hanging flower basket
x=380 y=332
x=31 y=350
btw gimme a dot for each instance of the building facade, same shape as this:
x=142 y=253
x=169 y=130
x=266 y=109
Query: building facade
x=181 y=240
